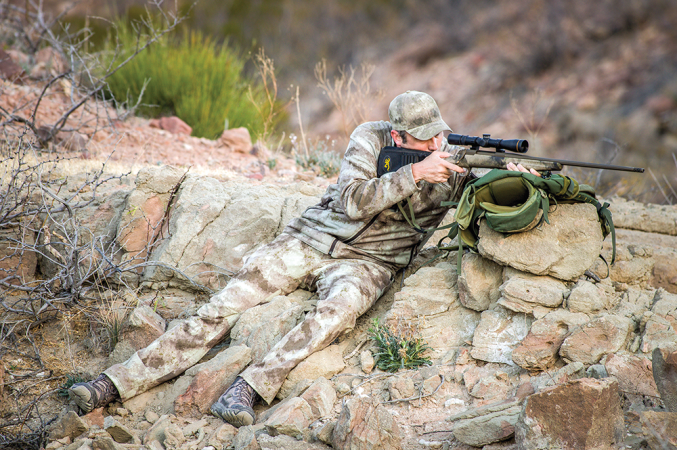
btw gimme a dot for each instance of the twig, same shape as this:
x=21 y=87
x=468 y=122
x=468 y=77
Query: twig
x=418 y=397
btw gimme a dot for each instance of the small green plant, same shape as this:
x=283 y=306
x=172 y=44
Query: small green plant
x=399 y=347
x=321 y=157
x=71 y=379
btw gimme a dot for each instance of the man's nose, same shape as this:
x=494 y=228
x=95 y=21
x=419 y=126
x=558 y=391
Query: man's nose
x=433 y=145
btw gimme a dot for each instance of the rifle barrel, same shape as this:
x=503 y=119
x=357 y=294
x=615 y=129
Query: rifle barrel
x=562 y=161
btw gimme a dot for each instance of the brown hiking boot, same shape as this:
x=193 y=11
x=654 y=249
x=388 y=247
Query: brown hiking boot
x=235 y=405
x=93 y=394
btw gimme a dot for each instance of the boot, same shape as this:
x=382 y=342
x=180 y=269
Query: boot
x=235 y=405
x=93 y=394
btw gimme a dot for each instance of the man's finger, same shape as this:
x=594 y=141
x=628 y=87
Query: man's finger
x=453 y=167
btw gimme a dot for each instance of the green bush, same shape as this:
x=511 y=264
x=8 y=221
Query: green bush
x=191 y=76
x=398 y=347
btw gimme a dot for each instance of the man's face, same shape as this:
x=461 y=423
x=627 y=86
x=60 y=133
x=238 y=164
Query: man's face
x=410 y=142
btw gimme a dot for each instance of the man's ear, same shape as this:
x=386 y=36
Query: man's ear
x=397 y=139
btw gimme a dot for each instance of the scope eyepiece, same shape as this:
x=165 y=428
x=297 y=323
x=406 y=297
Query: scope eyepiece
x=513 y=145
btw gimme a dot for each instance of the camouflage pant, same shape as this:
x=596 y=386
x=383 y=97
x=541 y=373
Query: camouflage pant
x=347 y=288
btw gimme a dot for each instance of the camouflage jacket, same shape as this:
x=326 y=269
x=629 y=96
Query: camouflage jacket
x=358 y=216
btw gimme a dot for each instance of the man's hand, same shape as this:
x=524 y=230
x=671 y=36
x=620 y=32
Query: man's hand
x=434 y=169
x=521 y=168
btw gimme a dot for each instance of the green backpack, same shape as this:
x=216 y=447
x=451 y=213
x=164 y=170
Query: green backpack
x=513 y=202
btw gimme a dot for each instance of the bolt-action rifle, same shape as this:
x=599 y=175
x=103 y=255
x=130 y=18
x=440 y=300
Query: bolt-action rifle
x=392 y=158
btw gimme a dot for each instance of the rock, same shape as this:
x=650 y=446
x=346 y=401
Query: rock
x=634 y=374
x=564 y=249
x=203 y=208
x=665 y=375
x=497 y=334
x=429 y=302
x=143 y=326
x=157 y=431
x=10 y=70
x=172 y=124
x=587 y=298
x=634 y=303
x=143 y=220
x=211 y=379
x=70 y=425
x=246 y=439
x=664 y=273
x=478 y=282
x=261 y=327
x=322 y=431
x=497 y=386
x=400 y=386
x=366 y=361
x=633 y=266
x=582 y=414
x=570 y=372
x=487 y=424
x=106 y=443
x=588 y=343
x=365 y=426
x=644 y=217
x=325 y=363
x=597 y=371
x=48 y=63
x=522 y=291
x=223 y=436
x=72 y=141
x=283 y=442
x=292 y=419
x=660 y=429
x=237 y=139
x=321 y=397
x=12 y=260
x=117 y=431
x=540 y=348
x=659 y=331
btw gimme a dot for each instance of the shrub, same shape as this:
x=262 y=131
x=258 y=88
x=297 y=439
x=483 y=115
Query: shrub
x=191 y=76
x=398 y=347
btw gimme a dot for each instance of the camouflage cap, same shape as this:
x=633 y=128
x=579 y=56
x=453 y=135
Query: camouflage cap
x=417 y=114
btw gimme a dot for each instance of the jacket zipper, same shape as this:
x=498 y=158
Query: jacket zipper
x=359 y=233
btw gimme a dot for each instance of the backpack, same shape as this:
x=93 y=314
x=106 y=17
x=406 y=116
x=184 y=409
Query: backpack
x=514 y=202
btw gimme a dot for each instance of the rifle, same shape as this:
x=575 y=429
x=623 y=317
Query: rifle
x=392 y=158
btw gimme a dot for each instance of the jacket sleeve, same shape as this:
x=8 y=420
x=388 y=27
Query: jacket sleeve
x=363 y=195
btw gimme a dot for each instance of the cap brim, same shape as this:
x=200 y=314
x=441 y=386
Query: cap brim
x=429 y=130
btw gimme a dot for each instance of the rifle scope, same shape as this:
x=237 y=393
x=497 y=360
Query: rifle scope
x=513 y=145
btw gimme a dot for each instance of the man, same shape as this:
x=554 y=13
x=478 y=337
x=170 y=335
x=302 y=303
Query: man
x=348 y=248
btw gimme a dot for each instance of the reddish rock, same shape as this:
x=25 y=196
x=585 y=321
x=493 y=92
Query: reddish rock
x=633 y=374
x=94 y=418
x=659 y=429
x=237 y=139
x=210 y=380
x=582 y=414
x=9 y=70
x=172 y=124
x=362 y=426
x=539 y=350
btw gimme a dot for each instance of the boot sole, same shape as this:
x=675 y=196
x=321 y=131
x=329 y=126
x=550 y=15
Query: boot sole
x=237 y=417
